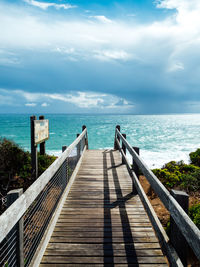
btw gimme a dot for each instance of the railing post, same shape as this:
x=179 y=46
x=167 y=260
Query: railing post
x=42 y=145
x=86 y=138
x=134 y=165
x=64 y=171
x=19 y=227
x=124 y=149
x=34 y=162
x=177 y=239
x=78 y=148
x=64 y=148
x=115 y=143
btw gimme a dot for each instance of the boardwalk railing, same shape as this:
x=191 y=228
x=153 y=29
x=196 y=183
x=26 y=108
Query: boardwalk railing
x=188 y=229
x=25 y=226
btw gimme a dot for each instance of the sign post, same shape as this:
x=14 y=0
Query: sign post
x=39 y=133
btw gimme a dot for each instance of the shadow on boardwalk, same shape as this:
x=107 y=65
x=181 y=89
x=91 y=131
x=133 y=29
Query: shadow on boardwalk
x=108 y=206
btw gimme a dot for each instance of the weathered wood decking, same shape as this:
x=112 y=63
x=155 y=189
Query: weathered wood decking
x=102 y=223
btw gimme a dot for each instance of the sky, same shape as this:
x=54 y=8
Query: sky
x=126 y=57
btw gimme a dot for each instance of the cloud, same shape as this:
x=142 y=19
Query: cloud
x=44 y=104
x=8 y=58
x=85 y=100
x=44 y=5
x=30 y=104
x=187 y=11
x=105 y=55
x=102 y=19
x=176 y=66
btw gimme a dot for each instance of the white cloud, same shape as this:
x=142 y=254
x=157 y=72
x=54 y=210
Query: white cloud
x=44 y=5
x=85 y=100
x=176 y=66
x=187 y=11
x=30 y=104
x=8 y=58
x=105 y=55
x=44 y=104
x=102 y=19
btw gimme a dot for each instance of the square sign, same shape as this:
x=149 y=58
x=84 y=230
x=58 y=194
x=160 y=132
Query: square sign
x=41 y=131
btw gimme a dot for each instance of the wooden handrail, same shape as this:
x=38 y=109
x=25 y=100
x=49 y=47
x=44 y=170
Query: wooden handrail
x=161 y=234
x=19 y=207
x=185 y=224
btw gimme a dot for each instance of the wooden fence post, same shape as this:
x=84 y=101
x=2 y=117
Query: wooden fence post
x=65 y=171
x=115 y=143
x=64 y=148
x=177 y=239
x=86 y=140
x=124 y=149
x=19 y=227
x=42 y=145
x=34 y=161
x=134 y=165
x=78 y=148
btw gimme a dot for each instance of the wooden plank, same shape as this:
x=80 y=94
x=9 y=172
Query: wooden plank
x=91 y=260
x=106 y=253
x=88 y=247
x=102 y=235
x=96 y=228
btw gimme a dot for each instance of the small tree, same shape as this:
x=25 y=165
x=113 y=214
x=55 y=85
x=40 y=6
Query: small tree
x=195 y=157
x=13 y=159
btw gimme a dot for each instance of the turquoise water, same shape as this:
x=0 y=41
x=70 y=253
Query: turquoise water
x=161 y=138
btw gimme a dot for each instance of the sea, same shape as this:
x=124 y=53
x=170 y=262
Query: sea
x=161 y=138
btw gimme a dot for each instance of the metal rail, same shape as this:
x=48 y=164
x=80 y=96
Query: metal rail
x=36 y=206
x=184 y=223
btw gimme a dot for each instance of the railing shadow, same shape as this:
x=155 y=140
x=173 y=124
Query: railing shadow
x=107 y=237
x=129 y=247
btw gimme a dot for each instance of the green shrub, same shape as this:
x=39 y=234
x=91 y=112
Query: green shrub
x=178 y=174
x=13 y=159
x=169 y=179
x=17 y=162
x=194 y=213
x=191 y=181
x=180 y=166
x=172 y=166
x=44 y=161
x=195 y=157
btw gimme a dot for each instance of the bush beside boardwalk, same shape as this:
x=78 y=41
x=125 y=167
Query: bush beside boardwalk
x=15 y=167
x=186 y=177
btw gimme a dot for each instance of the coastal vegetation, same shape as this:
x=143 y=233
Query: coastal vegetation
x=15 y=166
x=186 y=177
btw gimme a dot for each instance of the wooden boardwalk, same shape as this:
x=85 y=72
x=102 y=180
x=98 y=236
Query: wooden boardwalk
x=102 y=223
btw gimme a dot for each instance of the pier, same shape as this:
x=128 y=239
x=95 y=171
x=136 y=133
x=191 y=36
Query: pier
x=89 y=208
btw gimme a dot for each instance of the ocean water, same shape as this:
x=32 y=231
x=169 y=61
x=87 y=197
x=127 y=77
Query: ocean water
x=161 y=138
